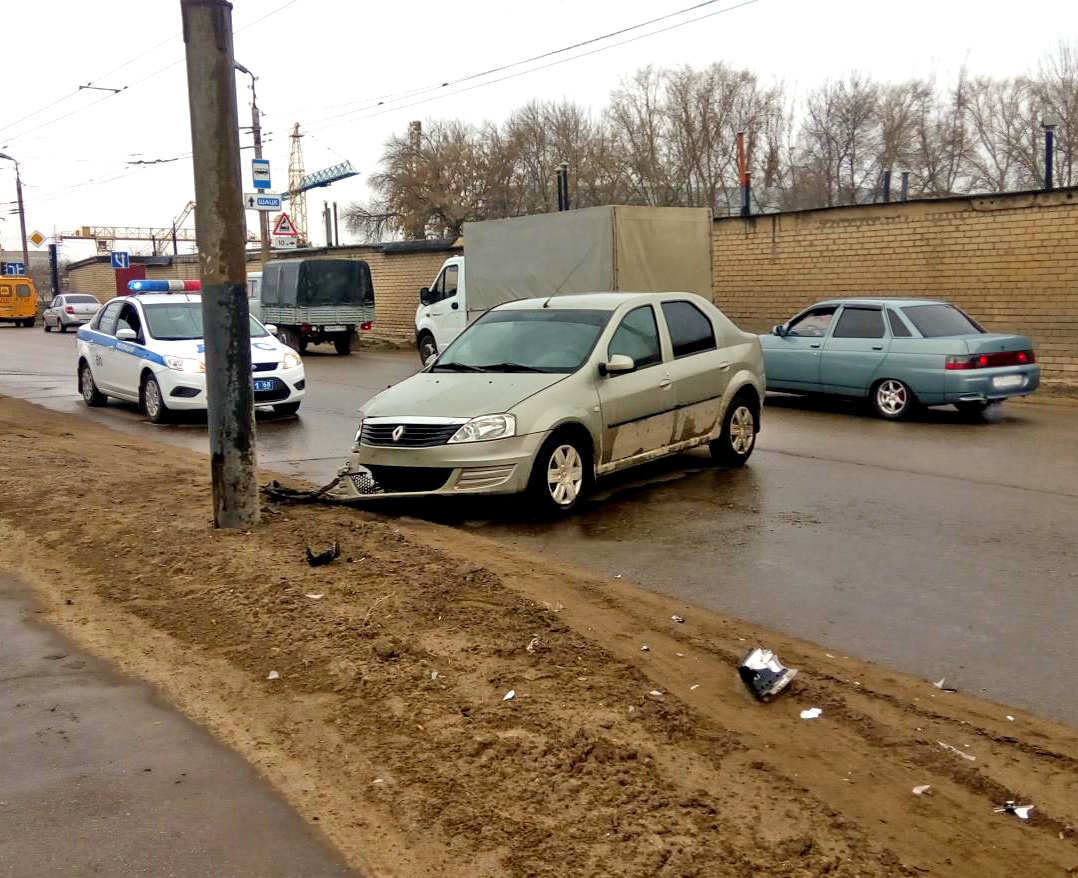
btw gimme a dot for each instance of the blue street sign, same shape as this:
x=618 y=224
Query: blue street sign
x=260 y=173
x=121 y=259
x=15 y=268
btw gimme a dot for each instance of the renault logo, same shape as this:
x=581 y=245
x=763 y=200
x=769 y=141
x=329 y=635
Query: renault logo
x=397 y=433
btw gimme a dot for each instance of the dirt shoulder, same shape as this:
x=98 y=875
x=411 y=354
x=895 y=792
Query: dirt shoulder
x=387 y=726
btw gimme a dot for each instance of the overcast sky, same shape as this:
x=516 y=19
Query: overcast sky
x=321 y=62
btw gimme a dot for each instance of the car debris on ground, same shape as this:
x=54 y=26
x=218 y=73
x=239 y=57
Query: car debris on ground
x=968 y=756
x=811 y=713
x=922 y=789
x=320 y=559
x=764 y=674
x=510 y=695
x=941 y=684
x=273 y=675
x=678 y=619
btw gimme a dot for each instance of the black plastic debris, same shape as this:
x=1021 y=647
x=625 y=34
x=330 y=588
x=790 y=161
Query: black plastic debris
x=323 y=558
x=764 y=674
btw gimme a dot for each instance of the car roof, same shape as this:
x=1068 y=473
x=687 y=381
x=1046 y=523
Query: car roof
x=593 y=301
x=861 y=300
x=158 y=298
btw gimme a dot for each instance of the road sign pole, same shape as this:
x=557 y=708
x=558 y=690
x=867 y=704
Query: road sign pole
x=256 y=130
x=211 y=85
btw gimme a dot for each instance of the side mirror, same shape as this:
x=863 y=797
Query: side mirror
x=430 y=360
x=618 y=364
x=271 y=328
x=424 y=296
x=779 y=330
x=126 y=334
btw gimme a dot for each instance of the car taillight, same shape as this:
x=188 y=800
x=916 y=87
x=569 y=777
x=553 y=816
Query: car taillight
x=989 y=361
x=69 y=310
x=366 y=327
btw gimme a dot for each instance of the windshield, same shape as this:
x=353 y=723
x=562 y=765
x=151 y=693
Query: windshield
x=539 y=340
x=938 y=321
x=182 y=321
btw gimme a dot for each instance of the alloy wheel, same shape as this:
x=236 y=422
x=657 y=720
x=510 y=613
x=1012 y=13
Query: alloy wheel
x=892 y=397
x=742 y=430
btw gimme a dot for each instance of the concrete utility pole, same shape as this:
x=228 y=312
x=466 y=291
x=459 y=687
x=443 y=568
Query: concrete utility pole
x=219 y=223
x=22 y=212
x=256 y=131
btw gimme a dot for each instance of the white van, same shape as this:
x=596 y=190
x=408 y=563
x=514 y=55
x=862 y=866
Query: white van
x=254 y=294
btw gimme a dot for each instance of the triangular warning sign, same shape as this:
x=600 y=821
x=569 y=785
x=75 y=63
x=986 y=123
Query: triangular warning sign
x=283 y=227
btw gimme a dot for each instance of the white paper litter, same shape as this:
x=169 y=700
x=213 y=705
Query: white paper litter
x=1019 y=811
x=922 y=789
x=377 y=780
x=655 y=693
x=811 y=712
x=434 y=675
x=680 y=654
x=676 y=619
x=273 y=675
x=314 y=597
x=1009 y=717
x=534 y=642
x=694 y=686
x=953 y=749
x=645 y=648
x=510 y=695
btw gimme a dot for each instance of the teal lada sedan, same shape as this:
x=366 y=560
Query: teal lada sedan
x=898 y=354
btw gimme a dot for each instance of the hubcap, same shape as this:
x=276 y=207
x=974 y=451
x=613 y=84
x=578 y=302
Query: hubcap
x=565 y=475
x=742 y=430
x=152 y=399
x=891 y=397
x=428 y=350
x=87 y=384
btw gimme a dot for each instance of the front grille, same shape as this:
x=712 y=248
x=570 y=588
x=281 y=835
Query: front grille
x=413 y=436
x=278 y=392
x=406 y=479
x=263 y=367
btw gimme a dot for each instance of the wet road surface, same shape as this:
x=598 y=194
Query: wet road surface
x=100 y=777
x=938 y=547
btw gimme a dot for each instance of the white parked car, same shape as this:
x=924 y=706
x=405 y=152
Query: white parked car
x=148 y=349
x=69 y=309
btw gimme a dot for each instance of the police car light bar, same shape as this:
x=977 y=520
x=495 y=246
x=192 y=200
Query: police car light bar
x=164 y=286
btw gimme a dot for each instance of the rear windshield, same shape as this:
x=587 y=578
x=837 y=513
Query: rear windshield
x=938 y=321
x=81 y=300
x=182 y=321
x=513 y=340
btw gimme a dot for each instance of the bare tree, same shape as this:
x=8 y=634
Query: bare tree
x=1056 y=90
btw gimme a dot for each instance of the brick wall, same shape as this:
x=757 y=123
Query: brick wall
x=397 y=278
x=1010 y=260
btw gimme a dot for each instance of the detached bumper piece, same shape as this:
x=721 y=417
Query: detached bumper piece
x=764 y=674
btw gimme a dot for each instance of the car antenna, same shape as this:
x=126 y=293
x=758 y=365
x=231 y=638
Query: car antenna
x=547 y=302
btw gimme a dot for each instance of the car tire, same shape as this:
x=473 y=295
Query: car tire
x=427 y=346
x=343 y=343
x=61 y=326
x=45 y=326
x=90 y=394
x=286 y=408
x=302 y=346
x=738 y=436
x=561 y=474
x=289 y=338
x=152 y=401
x=892 y=399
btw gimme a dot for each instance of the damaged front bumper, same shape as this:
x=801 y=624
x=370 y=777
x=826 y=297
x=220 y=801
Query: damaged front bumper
x=497 y=466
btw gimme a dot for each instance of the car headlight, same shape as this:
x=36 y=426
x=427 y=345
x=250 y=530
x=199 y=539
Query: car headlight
x=486 y=427
x=185 y=364
x=359 y=434
x=291 y=359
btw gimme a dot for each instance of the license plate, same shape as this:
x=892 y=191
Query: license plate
x=334 y=328
x=264 y=384
x=1008 y=381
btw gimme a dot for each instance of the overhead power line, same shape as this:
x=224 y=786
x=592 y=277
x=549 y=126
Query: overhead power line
x=382 y=112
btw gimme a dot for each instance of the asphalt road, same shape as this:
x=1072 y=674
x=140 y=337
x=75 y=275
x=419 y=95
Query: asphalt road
x=938 y=547
x=102 y=778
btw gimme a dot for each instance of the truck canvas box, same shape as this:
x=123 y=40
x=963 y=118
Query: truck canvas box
x=317 y=300
x=597 y=249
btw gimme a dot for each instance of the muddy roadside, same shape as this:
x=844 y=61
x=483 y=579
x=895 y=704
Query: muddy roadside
x=387 y=724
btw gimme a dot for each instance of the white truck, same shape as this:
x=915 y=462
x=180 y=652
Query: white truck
x=597 y=249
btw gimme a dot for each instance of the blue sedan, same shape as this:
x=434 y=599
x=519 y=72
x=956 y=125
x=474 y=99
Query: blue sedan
x=898 y=353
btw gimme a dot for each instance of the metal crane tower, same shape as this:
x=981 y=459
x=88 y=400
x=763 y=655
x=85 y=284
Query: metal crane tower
x=296 y=195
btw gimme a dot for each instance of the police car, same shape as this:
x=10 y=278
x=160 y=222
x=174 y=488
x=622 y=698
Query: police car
x=148 y=349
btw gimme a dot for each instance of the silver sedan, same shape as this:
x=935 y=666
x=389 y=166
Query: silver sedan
x=70 y=309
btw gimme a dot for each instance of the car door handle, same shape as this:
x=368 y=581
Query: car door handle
x=724 y=366
x=814 y=344
x=877 y=347
x=665 y=384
